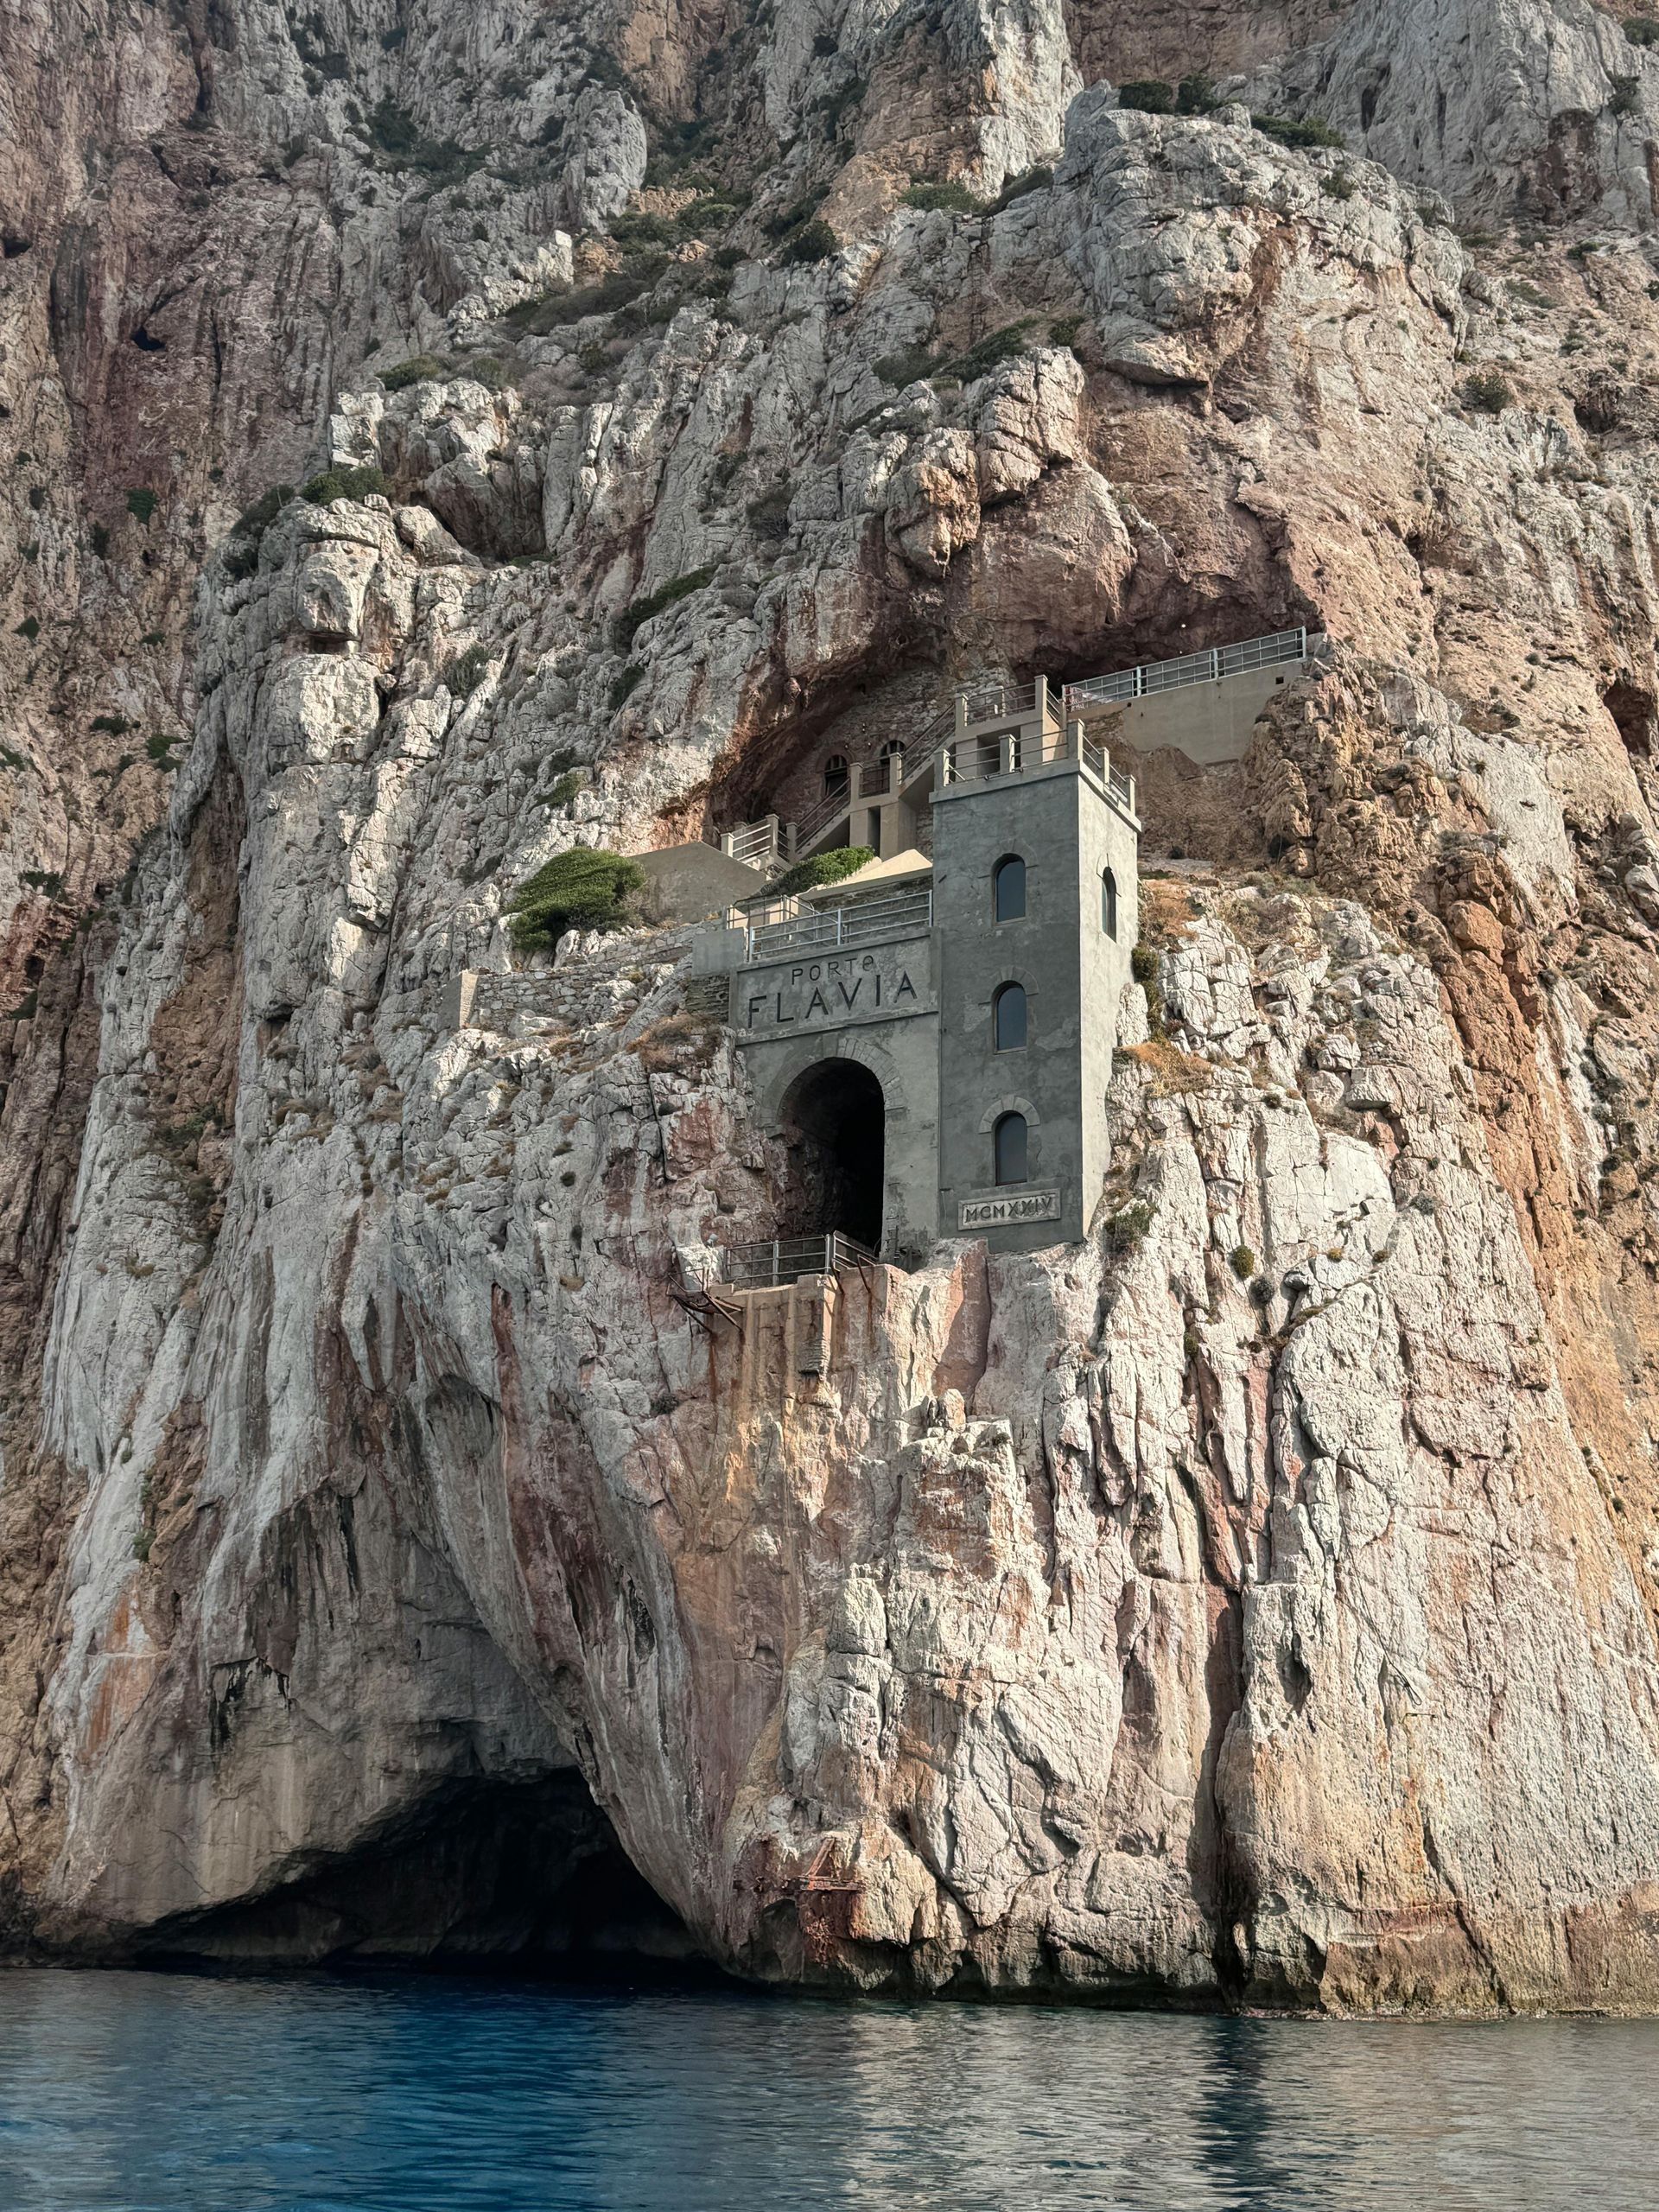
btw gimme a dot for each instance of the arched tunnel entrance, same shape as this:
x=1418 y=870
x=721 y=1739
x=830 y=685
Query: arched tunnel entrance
x=834 y=1118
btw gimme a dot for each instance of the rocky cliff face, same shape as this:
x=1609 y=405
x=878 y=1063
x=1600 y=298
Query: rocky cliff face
x=1258 y=1602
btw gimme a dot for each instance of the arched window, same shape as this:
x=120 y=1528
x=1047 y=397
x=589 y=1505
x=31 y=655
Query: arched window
x=1008 y=887
x=1108 y=902
x=836 y=781
x=892 y=749
x=1009 y=1139
x=1008 y=1018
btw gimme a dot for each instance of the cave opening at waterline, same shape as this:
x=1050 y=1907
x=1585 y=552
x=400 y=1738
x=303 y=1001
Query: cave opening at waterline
x=833 y=1121
x=491 y=1875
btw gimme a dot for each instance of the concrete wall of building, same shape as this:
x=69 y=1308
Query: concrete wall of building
x=1210 y=722
x=975 y=825
x=683 y=883
x=790 y=1015
x=1106 y=839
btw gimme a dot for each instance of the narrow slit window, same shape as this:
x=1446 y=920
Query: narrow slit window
x=1008 y=886
x=1008 y=1018
x=1009 y=1139
x=1108 y=903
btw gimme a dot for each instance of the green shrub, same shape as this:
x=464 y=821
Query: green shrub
x=632 y=677
x=47 y=880
x=1297 y=131
x=919 y=361
x=833 y=106
x=1196 y=95
x=634 y=617
x=420 y=368
x=841 y=861
x=1126 y=1230
x=242 y=548
x=160 y=749
x=909 y=366
x=341 y=482
x=395 y=134
x=704 y=217
x=1244 y=1262
x=462 y=676
x=1627 y=95
x=1338 y=186
x=1063 y=331
x=1149 y=95
x=254 y=521
x=1489 y=392
x=112 y=725
x=577 y=890
x=798 y=212
x=29 y=627
x=768 y=515
x=995 y=346
x=1143 y=966
x=572 y=781
x=814 y=241
x=153 y=637
x=1641 y=30
x=1033 y=180
x=955 y=198
x=100 y=538
x=643 y=230
x=141 y=504
x=573 y=303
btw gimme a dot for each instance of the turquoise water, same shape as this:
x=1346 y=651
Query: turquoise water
x=180 y=2094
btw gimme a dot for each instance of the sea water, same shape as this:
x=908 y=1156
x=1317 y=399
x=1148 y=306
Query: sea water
x=163 y=2092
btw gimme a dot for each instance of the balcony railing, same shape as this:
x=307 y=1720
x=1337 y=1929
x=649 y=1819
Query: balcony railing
x=1035 y=732
x=901 y=913
x=787 y=1259
x=1191 y=668
x=821 y=816
x=1095 y=758
x=996 y=702
x=762 y=845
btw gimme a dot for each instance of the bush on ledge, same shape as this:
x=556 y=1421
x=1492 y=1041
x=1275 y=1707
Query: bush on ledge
x=583 y=889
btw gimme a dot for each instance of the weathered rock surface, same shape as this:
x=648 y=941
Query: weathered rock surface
x=1258 y=1603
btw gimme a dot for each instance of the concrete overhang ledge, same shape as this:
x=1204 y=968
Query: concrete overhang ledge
x=874 y=875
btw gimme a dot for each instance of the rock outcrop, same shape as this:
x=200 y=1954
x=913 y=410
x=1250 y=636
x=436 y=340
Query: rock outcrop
x=1258 y=1602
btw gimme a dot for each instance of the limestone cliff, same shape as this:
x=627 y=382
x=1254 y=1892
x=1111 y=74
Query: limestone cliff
x=1258 y=1602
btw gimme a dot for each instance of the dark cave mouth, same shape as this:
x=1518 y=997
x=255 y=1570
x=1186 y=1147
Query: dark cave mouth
x=522 y=1877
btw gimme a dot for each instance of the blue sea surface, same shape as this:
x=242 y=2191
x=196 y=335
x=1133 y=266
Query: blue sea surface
x=163 y=2092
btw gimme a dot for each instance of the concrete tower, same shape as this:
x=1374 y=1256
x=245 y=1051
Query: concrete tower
x=1035 y=916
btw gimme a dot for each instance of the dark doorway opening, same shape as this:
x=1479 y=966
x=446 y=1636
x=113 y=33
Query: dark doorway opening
x=835 y=1124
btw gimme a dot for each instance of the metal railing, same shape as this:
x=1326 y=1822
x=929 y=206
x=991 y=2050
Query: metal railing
x=756 y=844
x=1191 y=668
x=787 y=1259
x=1013 y=750
x=995 y=702
x=1003 y=753
x=1097 y=760
x=901 y=913
x=829 y=810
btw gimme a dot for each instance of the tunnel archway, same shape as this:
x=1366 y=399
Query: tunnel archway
x=834 y=1118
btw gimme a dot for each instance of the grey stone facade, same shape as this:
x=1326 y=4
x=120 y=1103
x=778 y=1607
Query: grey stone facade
x=904 y=982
